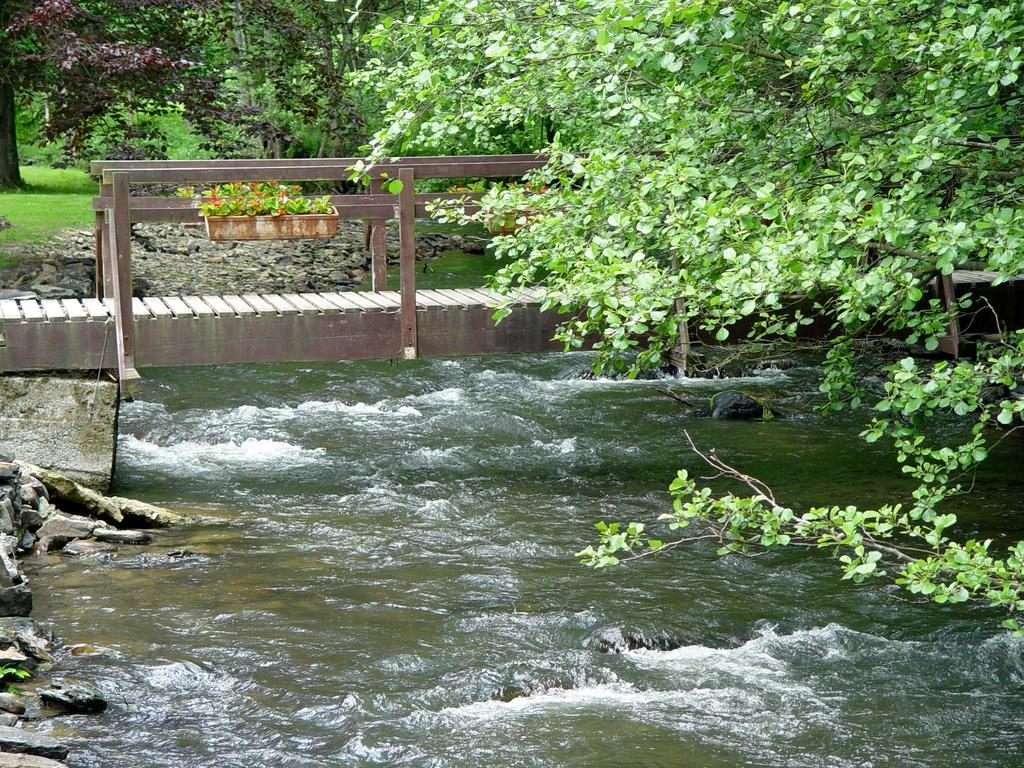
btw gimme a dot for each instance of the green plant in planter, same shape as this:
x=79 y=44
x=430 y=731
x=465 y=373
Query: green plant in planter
x=257 y=198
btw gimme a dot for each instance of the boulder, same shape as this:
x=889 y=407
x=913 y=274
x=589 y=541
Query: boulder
x=16 y=600
x=735 y=406
x=32 y=518
x=28 y=761
x=23 y=741
x=11 y=703
x=7 y=515
x=61 y=529
x=24 y=636
x=73 y=696
x=114 y=509
x=26 y=542
x=10 y=572
x=29 y=481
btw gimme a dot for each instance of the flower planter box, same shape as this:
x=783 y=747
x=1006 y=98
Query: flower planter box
x=315 y=226
x=510 y=223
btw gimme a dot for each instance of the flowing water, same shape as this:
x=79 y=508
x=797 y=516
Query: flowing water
x=383 y=574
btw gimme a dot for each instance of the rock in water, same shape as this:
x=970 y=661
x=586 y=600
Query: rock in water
x=735 y=405
x=60 y=529
x=22 y=741
x=84 y=548
x=73 y=696
x=616 y=640
x=115 y=536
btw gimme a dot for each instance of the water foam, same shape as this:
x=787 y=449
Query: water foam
x=557 y=446
x=251 y=451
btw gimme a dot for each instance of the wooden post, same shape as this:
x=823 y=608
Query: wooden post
x=947 y=294
x=679 y=355
x=100 y=230
x=407 y=263
x=377 y=240
x=120 y=259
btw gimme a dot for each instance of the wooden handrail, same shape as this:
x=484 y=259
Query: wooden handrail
x=98 y=166
x=450 y=168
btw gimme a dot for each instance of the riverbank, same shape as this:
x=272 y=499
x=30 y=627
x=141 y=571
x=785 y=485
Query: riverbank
x=44 y=513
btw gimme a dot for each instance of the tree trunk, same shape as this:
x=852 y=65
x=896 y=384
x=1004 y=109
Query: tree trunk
x=10 y=176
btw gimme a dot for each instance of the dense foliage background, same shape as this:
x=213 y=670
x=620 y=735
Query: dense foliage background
x=184 y=78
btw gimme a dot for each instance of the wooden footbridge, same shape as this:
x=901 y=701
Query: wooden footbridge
x=119 y=332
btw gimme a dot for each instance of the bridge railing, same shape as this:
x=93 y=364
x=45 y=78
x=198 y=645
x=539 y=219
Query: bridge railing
x=116 y=209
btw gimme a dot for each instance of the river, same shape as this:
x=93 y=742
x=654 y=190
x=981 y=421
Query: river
x=383 y=574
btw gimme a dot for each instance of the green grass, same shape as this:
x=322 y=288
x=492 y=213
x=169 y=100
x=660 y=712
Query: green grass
x=52 y=200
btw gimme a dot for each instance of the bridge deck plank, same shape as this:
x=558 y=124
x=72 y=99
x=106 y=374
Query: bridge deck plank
x=424 y=301
x=53 y=310
x=320 y=303
x=281 y=306
x=74 y=309
x=9 y=310
x=198 y=306
x=156 y=307
x=139 y=308
x=386 y=303
x=475 y=298
x=220 y=307
x=304 y=306
x=443 y=298
x=240 y=305
x=32 y=311
x=360 y=300
x=341 y=302
x=97 y=309
x=178 y=307
x=260 y=304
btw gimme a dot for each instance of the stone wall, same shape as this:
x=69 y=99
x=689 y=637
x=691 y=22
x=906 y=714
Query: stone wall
x=172 y=259
x=64 y=422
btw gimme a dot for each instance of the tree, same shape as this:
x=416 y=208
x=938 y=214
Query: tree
x=292 y=62
x=711 y=161
x=99 y=63
x=10 y=176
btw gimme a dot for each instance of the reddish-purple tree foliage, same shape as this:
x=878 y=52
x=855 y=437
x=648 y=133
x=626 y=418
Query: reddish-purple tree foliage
x=100 y=62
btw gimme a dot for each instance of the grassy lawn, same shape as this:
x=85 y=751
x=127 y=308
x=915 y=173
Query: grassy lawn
x=54 y=199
